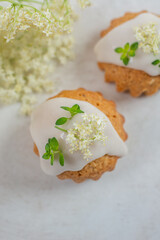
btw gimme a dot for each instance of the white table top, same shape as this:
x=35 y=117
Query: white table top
x=123 y=204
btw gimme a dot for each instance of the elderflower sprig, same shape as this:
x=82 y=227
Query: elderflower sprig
x=52 y=148
x=33 y=41
x=148 y=38
x=75 y=109
x=156 y=62
x=127 y=51
x=20 y=17
x=85 y=134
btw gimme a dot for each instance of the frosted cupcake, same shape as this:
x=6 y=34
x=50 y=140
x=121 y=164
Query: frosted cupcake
x=78 y=135
x=129 y=53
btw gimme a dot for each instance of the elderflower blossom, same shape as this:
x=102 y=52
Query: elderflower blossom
x=31 y=45
x=148 y=37
x=50 y=21
x=25 y=63
x=86 y=133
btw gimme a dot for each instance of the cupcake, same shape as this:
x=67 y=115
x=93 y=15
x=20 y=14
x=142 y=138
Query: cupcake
x=78 y=135
x=129 y=53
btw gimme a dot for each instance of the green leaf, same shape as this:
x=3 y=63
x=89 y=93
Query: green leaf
x=127 y=52
x=118 y=50
x=126 y=61
x=47 y=148
x=61 y=159
x=66 y=108
x=126 y=47
x=131 y=53
x=61 y=121
x=134 y=46
x=79 y=111
x=53 y=144
x=46 y=156
x=52 y=159
x=73 y=110
x=75 y=107
x=124 y=55
x=156 y=62
x=53 y=147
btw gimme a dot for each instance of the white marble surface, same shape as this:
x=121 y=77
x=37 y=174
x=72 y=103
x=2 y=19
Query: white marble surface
x=123 y=204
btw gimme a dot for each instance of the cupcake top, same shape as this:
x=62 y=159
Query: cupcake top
x=70 y=133
x=134 y=44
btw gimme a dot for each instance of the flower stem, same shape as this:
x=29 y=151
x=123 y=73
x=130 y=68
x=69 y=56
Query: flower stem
x=64 y=130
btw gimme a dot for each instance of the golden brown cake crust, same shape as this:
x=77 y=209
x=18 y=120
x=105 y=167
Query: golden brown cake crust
x=96 y=168
x=136 y=81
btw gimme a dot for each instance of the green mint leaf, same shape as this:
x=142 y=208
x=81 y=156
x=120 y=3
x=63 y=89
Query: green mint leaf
x=126 y=47
x=47 y=148
x=52 y=159
x=61 y=159
x=156 y=62
x=134 y=46
x=66 y=108
x=131 y=53
x=159 y=66
x=124 y=55
x=126 y=61
x=46 y=156
x=61 y=121
x=118 y=50
x=54 y=145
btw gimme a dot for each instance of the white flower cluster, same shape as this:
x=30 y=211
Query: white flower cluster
x=148 y=37
x=57 y=18
x=25 y=63
x=31 y=45
x=86 y=133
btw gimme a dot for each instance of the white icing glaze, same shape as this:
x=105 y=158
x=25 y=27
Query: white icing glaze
x=123 y=34
x=42 y=127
